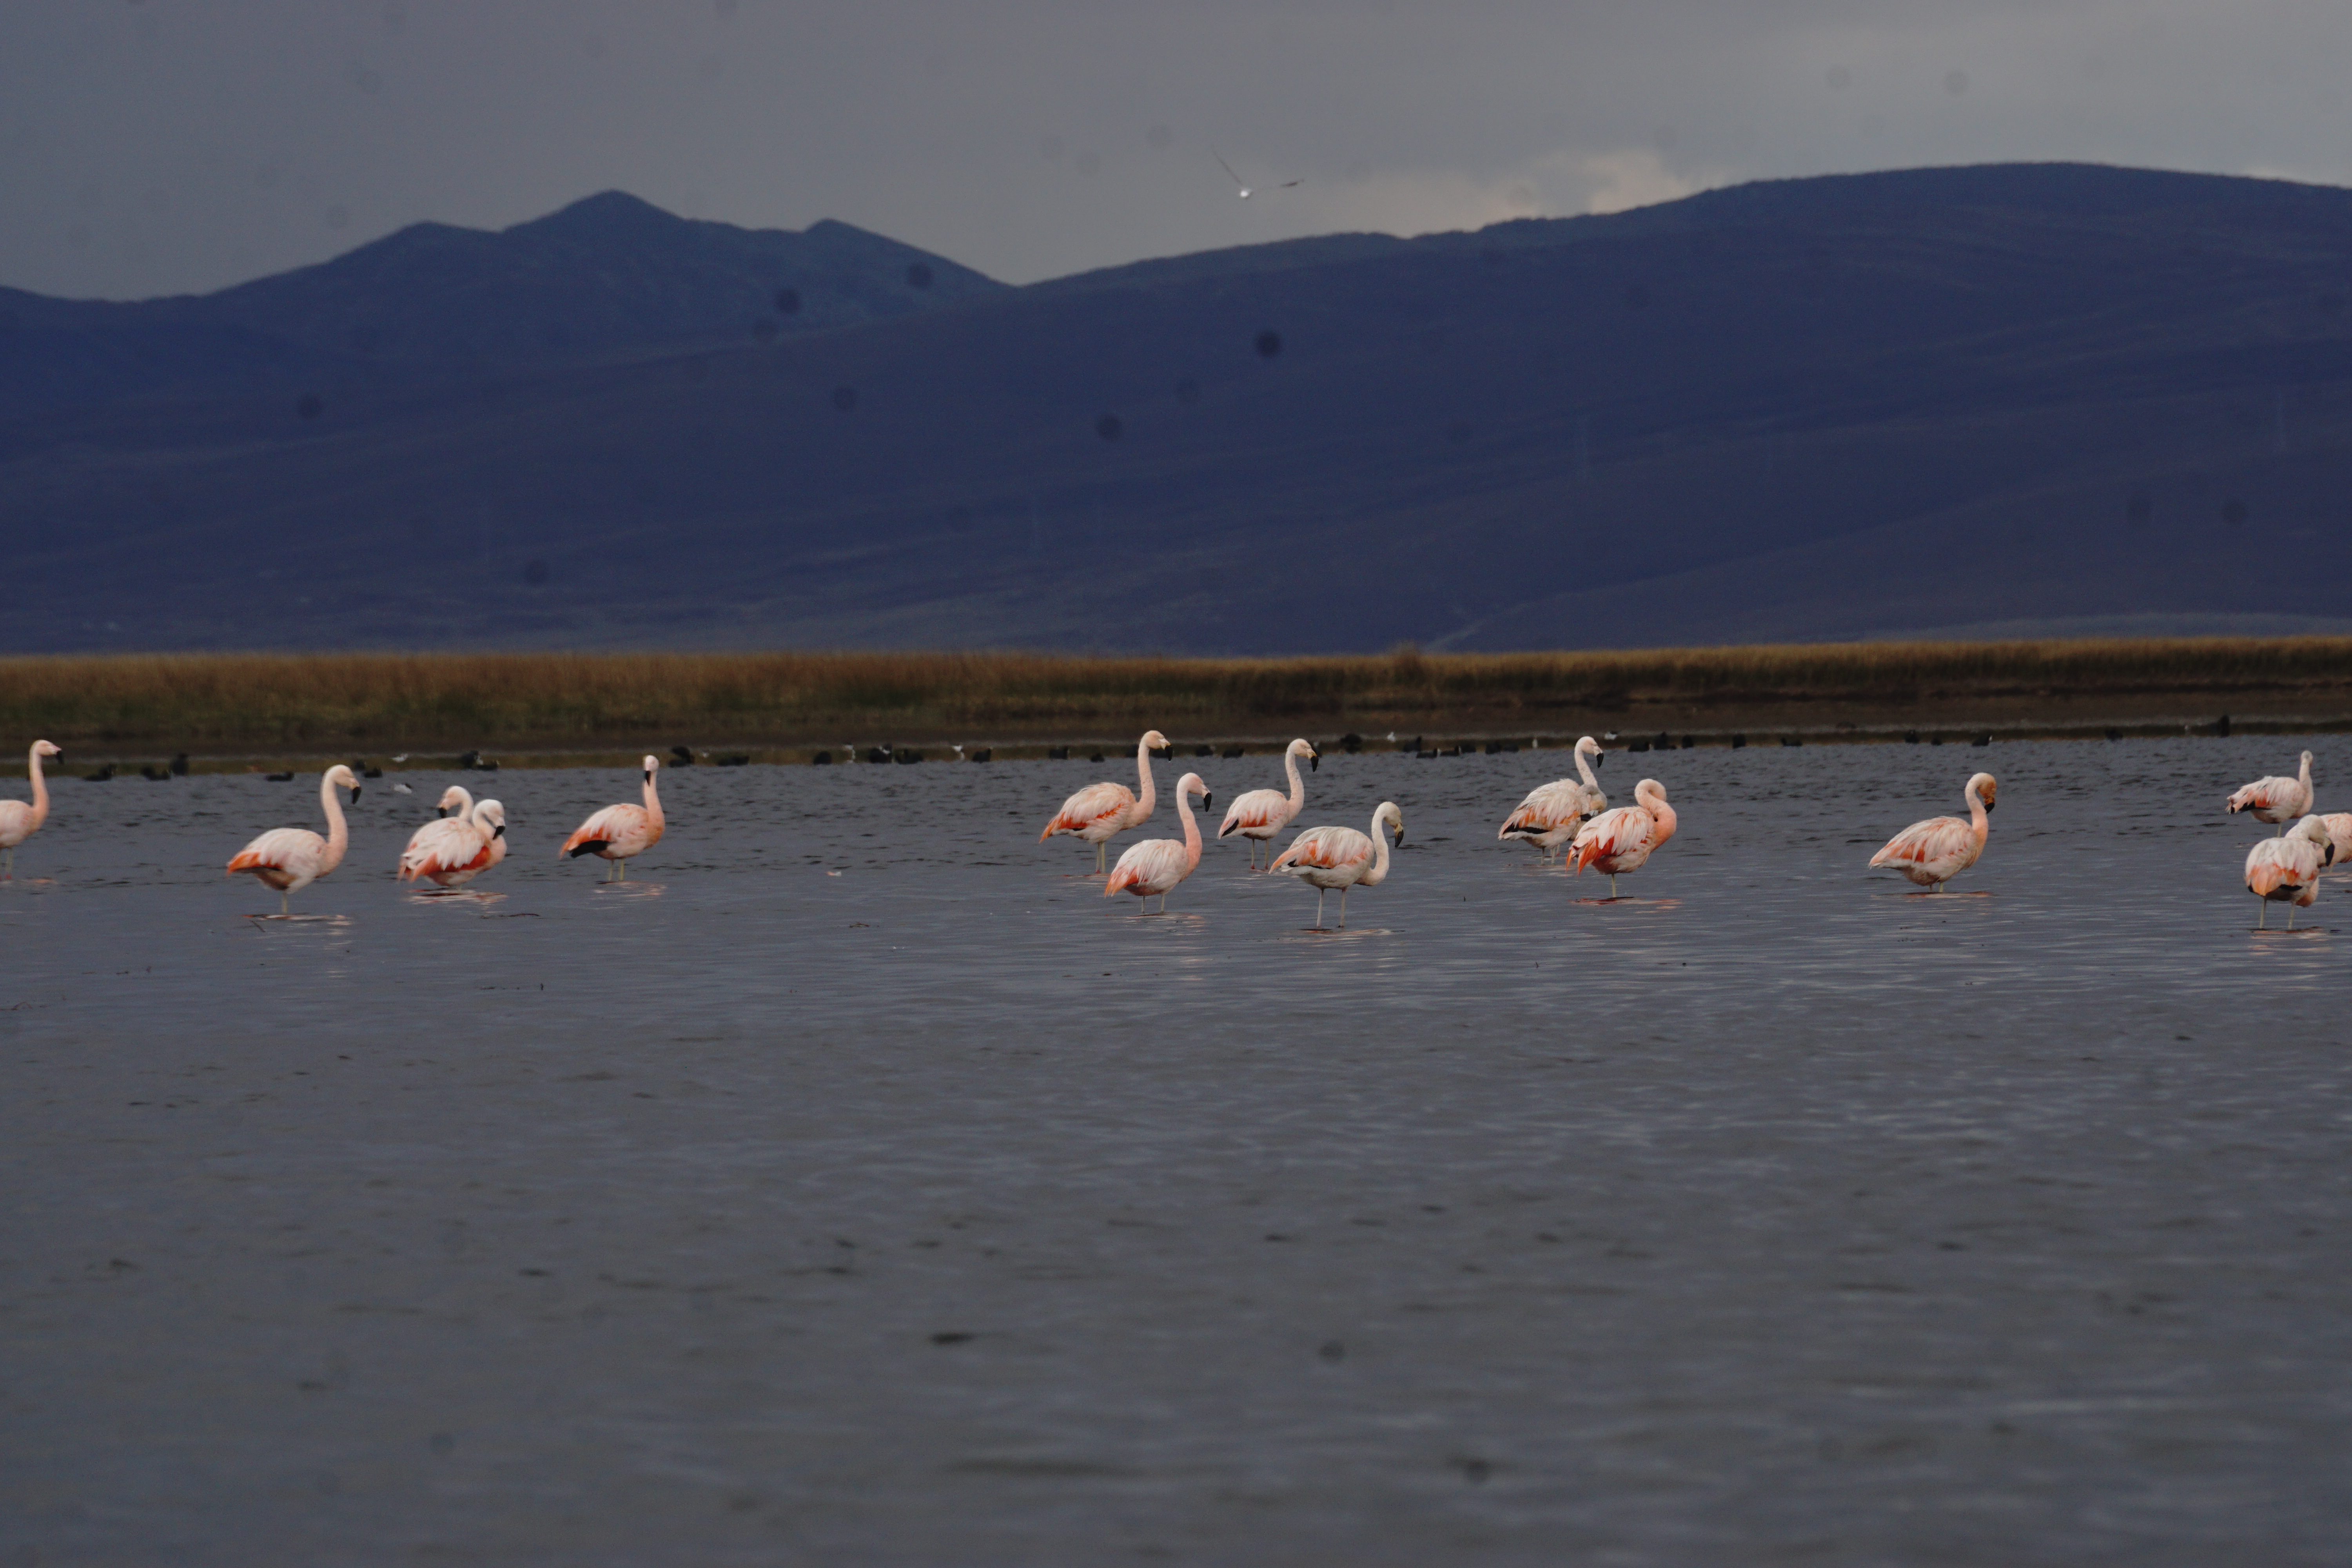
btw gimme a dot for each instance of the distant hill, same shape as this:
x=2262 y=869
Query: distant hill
x=608 y=277
x=2035 y=397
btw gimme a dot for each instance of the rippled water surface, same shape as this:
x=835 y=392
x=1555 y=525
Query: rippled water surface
x=857 y=1183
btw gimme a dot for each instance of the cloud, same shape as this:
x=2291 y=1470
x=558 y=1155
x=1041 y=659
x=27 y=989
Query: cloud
x=1562 y=183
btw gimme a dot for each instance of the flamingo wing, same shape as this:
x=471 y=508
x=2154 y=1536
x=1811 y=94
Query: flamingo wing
x=280 y=850
x=1612 y=835
x=1924 y=842
x=1151 y=866
x=1325 y=849
x=1090 y=808
x=615 y=827
x=1263 y=810
x=2268 y=795
x=445 y=848
x=1549 y=809
x=16 y=822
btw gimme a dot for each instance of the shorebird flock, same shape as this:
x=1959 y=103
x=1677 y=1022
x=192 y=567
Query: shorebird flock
x=1569 y=816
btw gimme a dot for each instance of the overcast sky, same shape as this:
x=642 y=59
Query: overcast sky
x=155 y=146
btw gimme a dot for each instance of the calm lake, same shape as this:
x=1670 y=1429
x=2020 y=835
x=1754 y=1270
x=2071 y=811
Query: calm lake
x=857 y=1185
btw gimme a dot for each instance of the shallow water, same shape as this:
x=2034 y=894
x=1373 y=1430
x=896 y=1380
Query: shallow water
x=942 y=1210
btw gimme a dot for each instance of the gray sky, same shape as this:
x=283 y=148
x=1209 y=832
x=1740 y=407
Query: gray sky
x=154 y=146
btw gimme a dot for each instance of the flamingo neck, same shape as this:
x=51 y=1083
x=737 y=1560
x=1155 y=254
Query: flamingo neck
x=1663 y=822
x=1147 y=798
x=1380 y=871
x=1980 y=824
x=1297 y=784
x=653 y=804
x=40 y=788
x=339 y=833
x=2304 y=780
x=1192 y=829
x=1585 y=768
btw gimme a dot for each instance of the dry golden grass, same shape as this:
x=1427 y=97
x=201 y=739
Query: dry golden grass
x=552 y=699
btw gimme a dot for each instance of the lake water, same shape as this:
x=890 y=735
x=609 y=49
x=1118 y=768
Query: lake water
x=944 y=1211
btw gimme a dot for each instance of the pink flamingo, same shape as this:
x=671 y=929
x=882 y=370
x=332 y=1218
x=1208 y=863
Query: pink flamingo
x=2285 y=869
x=2279 y=800
x=1100 y=812
x=1341 y=858
x=290 y=859
x=1263 y=812
x=19 y=821
x=1551 y=813
x=1625 y=840
x=1933 y=852
x=620 y=833
x=1157 y=865
x=2339 y=833
x=454 y=850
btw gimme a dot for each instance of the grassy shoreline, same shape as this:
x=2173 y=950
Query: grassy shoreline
x=249 y=705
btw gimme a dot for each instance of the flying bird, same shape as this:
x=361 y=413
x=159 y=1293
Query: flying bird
x=1241 y=184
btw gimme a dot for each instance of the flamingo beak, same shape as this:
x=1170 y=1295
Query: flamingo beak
x=355 y=794
x=1314 y=761
x=1208 y=801
x=501 y=833
x=440 y=811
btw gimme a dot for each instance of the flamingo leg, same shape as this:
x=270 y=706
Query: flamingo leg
x=1318 y=909
x=1343 y=909
x=9 y=875
x=1612 y=884
x=2289 y=917
x=285 y=904
x=2264 y=923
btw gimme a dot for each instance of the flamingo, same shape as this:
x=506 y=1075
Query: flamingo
x=2285 y=869
x=1341 y=858
x=1623 y=839
x=19 y=821
x=2339 y=833
x=1550 y=814
x=1933 y=852
x=1157 y=865
x=290 y=859
x=454 y=802
x=1263 y=812
x=620 y=832
x=1101 y=811
x=451 y=851
x=2279 y=800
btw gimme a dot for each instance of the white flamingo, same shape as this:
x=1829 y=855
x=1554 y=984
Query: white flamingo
x=1263 y=812
x=1157 y=865
x=1100 y=812
x=2339 y=833
x=2275 y=799
x=290 y=859
x=452 y=850
x=1552 y=813
x=19 y=821
x=621 y=833
x=1341 y=858
x=1933 y=852
x=1625 y=840
x=2285 y=869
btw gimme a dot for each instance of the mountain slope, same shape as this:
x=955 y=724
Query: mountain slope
x=1807 y=409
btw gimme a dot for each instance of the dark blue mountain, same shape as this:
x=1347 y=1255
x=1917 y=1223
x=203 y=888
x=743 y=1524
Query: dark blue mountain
x=2029 y=397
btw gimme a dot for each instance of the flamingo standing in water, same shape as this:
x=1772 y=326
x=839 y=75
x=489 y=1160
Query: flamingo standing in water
x=452 y=850
x=2274 y=799
x=1263 y=812
x=1551 y=813
x=290 y=859
x=1625 y=840
x=1102 y=811
x=1157 y=865
x=1933 y=852
x=2339 y=833
x=620 y=833
x=2285 y=869
x=1341 y=858
x=19 y=821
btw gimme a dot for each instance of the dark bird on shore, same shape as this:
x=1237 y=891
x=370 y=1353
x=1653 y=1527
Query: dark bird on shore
x=1059 y=754
x=102 y=775
x=180 y=765
x=1984 y=740
x=279 y=778
x=1230 y=751
x=684 y=757
x=982 y=755
x=159 y=774
x=822 y=760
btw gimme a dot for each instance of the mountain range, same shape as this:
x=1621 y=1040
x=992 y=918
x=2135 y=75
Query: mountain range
x=2036 y=399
